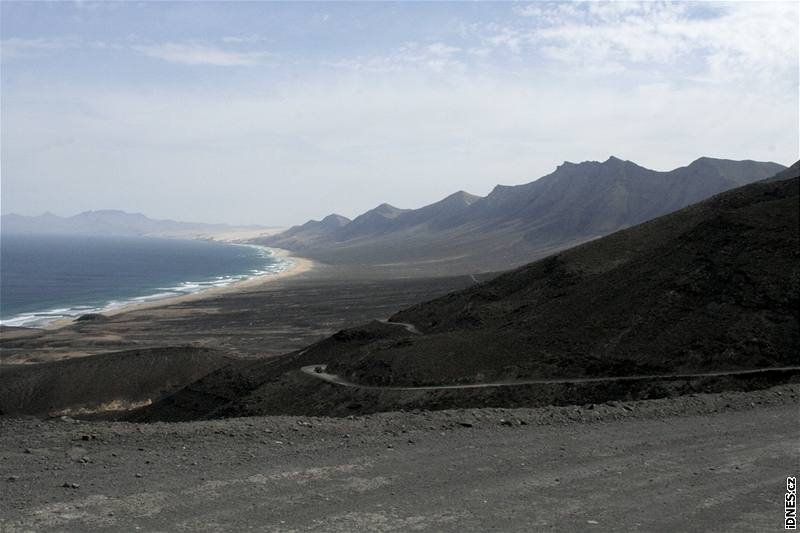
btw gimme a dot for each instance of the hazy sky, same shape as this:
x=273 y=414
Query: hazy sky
x=275 y=113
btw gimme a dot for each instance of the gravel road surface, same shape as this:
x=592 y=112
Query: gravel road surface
x=714 y=462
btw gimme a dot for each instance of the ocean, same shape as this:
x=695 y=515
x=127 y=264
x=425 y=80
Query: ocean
x=49 y=277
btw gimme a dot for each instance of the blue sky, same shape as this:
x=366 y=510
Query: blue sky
x=275 y=113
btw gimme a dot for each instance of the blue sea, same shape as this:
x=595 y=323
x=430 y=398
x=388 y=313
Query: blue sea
x=49 y=277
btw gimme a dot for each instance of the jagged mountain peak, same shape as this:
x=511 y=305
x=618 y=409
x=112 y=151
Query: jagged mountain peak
x=387 y=209
x=335 y=220
x=458 y=198
x=574 y=203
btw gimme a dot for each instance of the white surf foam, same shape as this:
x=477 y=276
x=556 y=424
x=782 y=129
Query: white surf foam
x=41 y=319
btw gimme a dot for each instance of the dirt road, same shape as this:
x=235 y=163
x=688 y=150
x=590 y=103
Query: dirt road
x=411 y=328
x=706 y=462
x=318 y=371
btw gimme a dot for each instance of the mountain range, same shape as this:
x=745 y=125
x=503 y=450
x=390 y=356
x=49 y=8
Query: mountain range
x=515 y=224
x=713 y=287
x=105 y=222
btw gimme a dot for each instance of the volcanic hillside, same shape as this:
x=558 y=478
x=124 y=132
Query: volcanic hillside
x=713 y=287
x=103 y=383
x=515 y=224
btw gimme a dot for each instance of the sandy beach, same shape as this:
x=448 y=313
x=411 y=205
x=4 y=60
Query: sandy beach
x=260 y=317
x=232 y=235
x=297 y=265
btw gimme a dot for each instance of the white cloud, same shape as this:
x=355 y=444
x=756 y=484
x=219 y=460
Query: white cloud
x=432 y=57
x=757 y=42
x=655 y=83
x=309 y=148
x=17 y=47
x=201 y=54
x=506 y=38
x=243 y=39
x=187 y=53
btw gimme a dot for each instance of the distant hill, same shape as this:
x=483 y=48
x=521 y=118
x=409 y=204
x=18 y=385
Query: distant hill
x=312 y=232
x=111 y=381
x=712 y=287
x=105 y=222
x=516 y=224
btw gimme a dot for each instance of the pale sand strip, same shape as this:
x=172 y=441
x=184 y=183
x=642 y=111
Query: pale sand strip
x=299 y=265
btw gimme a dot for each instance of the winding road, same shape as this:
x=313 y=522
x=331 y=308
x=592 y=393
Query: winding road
x=318 y=371
x=410 y=327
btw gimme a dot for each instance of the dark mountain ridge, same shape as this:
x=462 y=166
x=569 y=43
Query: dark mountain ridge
x=715 y=285
x=712 y=287
x=516 y=224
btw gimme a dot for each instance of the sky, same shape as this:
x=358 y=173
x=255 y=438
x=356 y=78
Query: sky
x=275 y=113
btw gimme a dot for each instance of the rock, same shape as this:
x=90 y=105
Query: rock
x=68 y=485
x=91 y=317
x=504 y=422
x=12 y=479
x=76 y=453
x=465 y=424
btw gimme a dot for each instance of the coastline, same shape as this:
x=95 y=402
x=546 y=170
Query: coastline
x=297 y=265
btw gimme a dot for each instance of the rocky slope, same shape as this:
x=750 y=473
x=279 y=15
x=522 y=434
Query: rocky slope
x=516 y=224
x=105 y=383
x=712 y=287
x=716 y=285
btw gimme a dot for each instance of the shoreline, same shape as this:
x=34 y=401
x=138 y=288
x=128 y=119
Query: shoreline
x=296 y=266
